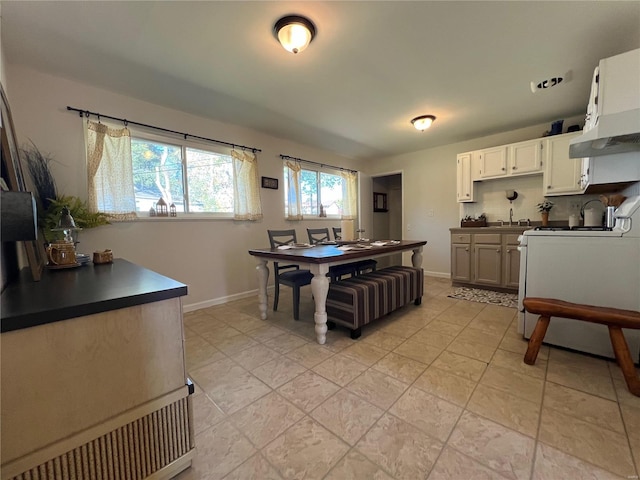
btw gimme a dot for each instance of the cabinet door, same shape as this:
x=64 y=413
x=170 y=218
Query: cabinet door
x=512 y=266
x=562 y=175
x=488 y=264
x=525 y=157
x=464 y=185
x=493 y=162
x=460 y=262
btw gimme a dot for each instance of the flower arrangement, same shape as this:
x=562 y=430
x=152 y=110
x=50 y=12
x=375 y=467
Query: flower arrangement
x=545 y=206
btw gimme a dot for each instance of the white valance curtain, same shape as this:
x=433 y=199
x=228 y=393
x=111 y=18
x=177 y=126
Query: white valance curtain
x=246 y=187
x=110 y=171
x=349 y=195
x=294 y=202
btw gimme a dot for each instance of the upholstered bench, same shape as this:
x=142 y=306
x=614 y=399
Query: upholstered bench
x=614 y=318
x=359 y=300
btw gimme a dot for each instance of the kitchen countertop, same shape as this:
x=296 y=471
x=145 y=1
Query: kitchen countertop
x=492 y=229
x=86 y=290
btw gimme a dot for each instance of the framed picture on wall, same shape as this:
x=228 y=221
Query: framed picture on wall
x=268 y=182
x=380 y=202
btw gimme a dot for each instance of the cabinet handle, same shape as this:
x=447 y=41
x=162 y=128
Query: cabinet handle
x=466 y=249
x=503 y=169
x=513 y=168
x=508 y=250
x=548 y=186
x=498 y=250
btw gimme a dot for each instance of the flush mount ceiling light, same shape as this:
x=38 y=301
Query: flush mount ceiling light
x=423 y=122
x=294 y=32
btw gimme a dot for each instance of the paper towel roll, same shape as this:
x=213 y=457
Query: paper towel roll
x=346 y=227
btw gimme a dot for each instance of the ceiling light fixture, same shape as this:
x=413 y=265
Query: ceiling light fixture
x=423 y=122
x=294 y=32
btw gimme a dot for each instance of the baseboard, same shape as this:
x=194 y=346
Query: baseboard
x=221 y=300
x=437 y=274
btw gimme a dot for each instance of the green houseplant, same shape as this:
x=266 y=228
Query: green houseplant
x=544 y=208
x=50 y=203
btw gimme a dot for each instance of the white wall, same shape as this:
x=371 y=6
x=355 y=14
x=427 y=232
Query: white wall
x=209 y=256
x=429 y=178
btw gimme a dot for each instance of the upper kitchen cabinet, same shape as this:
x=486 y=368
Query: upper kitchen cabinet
x=464 y=184
x=525 y=157
x=522 y=158
x=493 y=162
x=562 y=175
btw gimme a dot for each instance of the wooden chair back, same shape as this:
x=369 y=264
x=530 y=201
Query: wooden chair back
x=317 y=235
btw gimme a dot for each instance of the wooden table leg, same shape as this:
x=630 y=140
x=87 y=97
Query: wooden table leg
x=319 y=289
x=416 y=258
x=623 y=356
x=535 y=342
x=263 y=277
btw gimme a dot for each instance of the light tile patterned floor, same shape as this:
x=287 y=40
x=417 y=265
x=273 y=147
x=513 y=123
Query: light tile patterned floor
x=437 y=391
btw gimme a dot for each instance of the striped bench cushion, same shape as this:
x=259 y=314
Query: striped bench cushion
x=360 y=300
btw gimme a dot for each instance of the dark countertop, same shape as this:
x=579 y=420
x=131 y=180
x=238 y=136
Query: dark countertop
x=86 y=290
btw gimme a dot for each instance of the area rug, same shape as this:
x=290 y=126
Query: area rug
x=486 y=296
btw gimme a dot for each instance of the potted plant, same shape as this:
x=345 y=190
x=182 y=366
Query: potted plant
x=544 y=208
x=50 y=203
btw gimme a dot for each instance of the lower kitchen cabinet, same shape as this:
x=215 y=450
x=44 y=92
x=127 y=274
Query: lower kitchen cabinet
x=461 y=262
x=486 y=259
x=511 y=261
x=487 y=263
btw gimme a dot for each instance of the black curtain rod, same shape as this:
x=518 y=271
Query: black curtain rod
x=287 y=157
x=87 y=113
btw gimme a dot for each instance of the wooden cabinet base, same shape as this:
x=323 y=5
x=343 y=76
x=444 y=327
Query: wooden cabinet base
x=152 y=441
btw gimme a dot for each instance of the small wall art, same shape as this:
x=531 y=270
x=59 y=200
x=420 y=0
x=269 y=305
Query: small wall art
x=268 y=182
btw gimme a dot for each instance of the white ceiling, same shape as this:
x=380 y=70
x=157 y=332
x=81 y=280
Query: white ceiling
x=372 y=67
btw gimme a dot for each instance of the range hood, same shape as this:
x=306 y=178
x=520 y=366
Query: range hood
x=612 y=124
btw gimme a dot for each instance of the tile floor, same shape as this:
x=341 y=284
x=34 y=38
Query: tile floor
x=437 y=391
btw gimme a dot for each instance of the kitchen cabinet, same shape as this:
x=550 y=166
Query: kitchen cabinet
x=493 y=162
x=95 y=356
x=562 y=175
x=464 y=183
x=511 y=257
x=525 y=157
x=486 y=257
x=461 y=257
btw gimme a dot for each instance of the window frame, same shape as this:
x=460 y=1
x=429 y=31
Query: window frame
x=184 y=144
x=318 y=169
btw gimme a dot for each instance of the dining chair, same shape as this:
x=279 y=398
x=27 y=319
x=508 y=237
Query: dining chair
x=317 y=235
x=362 y=266
x=290 y=275
x=337 y=272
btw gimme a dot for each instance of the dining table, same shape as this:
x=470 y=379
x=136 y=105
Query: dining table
x=318 y=259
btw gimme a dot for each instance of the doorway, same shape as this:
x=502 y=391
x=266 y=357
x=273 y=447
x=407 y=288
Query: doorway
x=387 y=222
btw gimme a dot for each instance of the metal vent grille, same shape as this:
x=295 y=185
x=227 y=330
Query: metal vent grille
x=131 y=452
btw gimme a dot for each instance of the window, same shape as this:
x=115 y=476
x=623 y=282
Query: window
x=194 y=179
x=318 y=187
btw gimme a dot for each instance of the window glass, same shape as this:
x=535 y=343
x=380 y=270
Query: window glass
x=157 y=172
x=193 y=179
x=209 y=181
x=309 y=192
x=331 y=193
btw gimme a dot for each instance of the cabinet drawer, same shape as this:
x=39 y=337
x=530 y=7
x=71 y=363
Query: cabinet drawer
x=487 y=238
x=460 y=238
x=512 y=239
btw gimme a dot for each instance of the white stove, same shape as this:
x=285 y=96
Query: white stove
x=591 y=267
